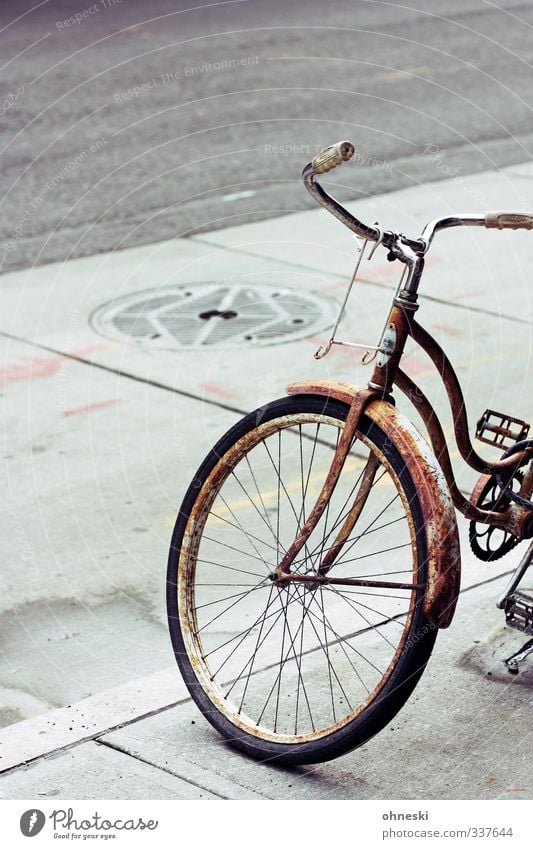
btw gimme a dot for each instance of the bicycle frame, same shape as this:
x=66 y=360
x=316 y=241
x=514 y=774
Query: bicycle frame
x=432 y=472
x=301 y=674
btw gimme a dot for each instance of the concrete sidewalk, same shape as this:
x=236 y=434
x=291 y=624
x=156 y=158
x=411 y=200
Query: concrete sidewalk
x=102 y=438
x=461 y=736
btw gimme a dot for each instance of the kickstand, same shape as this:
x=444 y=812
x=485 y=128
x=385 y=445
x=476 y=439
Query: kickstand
x=513 y=662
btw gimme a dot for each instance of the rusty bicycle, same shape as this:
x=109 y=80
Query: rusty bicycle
x=316 y=553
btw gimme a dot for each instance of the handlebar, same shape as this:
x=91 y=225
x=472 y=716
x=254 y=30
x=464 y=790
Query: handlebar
x=332 y=156
x=336 y=154
x=509 y=220
x=325 y=161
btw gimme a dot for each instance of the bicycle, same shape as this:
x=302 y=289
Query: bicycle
x=316 y=554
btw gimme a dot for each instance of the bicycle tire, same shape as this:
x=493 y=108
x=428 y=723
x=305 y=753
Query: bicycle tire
x=303 y=427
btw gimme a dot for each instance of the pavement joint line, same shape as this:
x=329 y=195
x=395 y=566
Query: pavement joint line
x=120 y=373
x=156 y=384
x=33 y=727
x=192 y=765
x=116 y=748
x=479 y=310
x=145 y=380
x=82 y=739
x=421 y=295
x=61 y=728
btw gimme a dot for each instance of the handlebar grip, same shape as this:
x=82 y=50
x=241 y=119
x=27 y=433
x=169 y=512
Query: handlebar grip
x=509 y=220
x=332 y=156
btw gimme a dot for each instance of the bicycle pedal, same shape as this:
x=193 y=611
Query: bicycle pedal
x=519 y=611
x=513 y=662
x=500 y=425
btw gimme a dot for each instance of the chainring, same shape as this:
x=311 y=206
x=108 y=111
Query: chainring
x=487 y=542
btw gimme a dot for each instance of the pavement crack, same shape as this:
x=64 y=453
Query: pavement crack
x=137 y=757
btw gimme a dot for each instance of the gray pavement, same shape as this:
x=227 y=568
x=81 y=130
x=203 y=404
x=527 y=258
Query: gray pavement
x=463 y=735
x=101 y=440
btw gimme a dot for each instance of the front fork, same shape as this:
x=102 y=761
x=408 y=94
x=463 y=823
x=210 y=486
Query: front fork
x=282 y=573
x=379 y=387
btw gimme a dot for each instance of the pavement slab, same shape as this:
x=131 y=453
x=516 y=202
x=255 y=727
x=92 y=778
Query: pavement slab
x=96 y=466
x=460 y=736
x=466 y=749
x=94 y=771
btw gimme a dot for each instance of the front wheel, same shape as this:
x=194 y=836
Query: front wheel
x=299 y=673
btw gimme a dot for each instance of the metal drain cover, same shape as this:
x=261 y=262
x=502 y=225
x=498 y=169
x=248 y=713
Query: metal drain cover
x=214 y=315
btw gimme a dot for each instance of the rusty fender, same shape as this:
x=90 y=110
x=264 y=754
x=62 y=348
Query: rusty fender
x=442 y=537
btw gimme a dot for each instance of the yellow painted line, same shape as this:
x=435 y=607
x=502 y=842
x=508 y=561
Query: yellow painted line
x=352 y=464
x=270 y=496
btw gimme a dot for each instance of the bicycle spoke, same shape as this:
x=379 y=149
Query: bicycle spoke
x=244 y=593
x=344 y=515
x=239 y=527
x=282 y=666
x=344 y=641
x=366 y=606
x=351 y=603
x=304 y=493
x=373 y=554
x=340 y=642
x=349 y=545
x=266 y=518
x=253 y=656
x=326 y=514
x=207 y=624
x=243 y=635
x=231 y=568
x=331 y=668
x=367 y=533
x=254 y=505
x=281 y=660
x=239 y=551
x=282 y=485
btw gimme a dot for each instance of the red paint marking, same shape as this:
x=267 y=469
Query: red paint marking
x=78 y=411
x=218 y=390
x=413 y=366
x=44 y=366
x=329 y=287
x=384 y=274
x=516 y=789
x=463 y=295
x=446 y=328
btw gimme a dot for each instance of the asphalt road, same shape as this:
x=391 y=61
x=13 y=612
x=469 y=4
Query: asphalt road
x=126 y=122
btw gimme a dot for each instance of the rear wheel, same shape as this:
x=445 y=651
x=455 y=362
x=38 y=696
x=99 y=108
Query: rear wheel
x=298 y=672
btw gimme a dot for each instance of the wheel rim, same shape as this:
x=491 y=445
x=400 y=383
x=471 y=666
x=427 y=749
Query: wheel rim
x=293 y=664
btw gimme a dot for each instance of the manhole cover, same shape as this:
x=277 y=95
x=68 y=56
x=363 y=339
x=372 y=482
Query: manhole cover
x=214 y=315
